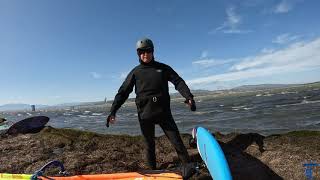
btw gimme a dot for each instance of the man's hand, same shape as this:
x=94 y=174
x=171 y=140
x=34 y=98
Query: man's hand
x=110 y=119
x=191 y=103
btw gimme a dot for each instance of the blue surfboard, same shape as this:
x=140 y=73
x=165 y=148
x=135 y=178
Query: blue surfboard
x=212 y=154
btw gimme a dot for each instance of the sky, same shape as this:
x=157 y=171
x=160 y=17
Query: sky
x=57 y=51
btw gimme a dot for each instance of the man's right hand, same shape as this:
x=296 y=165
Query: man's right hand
x=110 y=119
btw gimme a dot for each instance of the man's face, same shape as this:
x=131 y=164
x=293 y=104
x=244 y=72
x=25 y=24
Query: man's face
x=145 y=55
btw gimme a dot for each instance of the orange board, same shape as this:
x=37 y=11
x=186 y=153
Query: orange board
x=123 y=176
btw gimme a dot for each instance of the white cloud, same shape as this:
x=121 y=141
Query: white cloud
x=283 y=7
x=233 y=19
x=205 y=61
x=236 y=31
x=204 y=54
x=231 y=24
x=284 y=38
x=95 y=75
x=267 y=50
x=56 y=97
x=297 y=52
x=295 y=58
x=209 y=62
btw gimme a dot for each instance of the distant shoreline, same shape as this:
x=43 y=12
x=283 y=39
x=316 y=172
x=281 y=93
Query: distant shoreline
x=175 y=96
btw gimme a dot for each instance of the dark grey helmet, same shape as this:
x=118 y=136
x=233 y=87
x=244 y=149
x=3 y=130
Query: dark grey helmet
x=145 y=44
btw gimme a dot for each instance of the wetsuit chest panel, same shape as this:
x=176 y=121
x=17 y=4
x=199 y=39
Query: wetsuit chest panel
x=149 y=80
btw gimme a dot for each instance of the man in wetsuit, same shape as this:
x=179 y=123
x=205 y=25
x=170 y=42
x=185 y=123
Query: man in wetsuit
x=150 y=79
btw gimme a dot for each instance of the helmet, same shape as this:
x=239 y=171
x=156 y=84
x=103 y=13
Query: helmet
x=145 y=44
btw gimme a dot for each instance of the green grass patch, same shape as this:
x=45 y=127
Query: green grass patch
x=304 y=133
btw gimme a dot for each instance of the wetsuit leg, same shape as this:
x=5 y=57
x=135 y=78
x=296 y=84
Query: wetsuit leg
x=148 y=132
x=171 y=130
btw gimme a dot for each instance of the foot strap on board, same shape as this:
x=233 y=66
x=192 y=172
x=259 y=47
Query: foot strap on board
x=41 y=171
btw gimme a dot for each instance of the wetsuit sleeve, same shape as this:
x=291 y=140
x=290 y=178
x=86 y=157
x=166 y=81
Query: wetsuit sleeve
x=123 y=93
x=179 y=84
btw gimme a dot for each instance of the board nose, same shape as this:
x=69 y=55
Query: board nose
x=194 y=132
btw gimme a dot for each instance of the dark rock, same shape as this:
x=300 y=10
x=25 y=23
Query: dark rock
x=2 y=120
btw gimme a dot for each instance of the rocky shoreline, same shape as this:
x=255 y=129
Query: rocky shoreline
x=250 y=156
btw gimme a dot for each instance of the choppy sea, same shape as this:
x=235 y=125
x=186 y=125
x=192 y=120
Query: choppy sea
x=264 y=112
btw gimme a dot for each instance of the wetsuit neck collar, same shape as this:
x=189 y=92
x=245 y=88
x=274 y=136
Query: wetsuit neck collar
x=147 y=64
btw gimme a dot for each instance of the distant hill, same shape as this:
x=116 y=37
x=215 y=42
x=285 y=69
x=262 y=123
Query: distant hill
x=198 y=92
x=261 y=87
x=270 y=86
x=313 y=84
x=11 y=107
x=70 y=104
x=78 y=104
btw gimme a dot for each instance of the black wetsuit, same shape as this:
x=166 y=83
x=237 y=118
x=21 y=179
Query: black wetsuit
x=153 y=104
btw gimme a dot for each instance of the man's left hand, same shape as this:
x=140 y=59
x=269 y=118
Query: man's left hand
x=191 y=103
